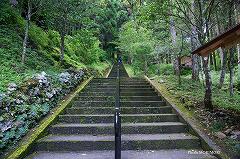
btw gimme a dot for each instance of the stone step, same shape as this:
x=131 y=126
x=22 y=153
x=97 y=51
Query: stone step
x=106 y=142
x=141 y=98
x=121 y=93
x=123 y=98
x=122 y=72
x=102 y=79
x=109 y=118
x=130 y=154
x=124 y=110
x=112 y=90
x=123 y=103
x=95 y=98
x=127 y=128
x=115 y=75
x=146 y=93
x=121 y=83
x=122 y=86
x=87 y=89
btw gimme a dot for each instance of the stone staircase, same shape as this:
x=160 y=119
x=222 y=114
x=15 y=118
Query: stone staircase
x=150 y=128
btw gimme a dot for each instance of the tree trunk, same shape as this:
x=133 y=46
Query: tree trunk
x=179 y=74
x=231 y=71
x=223 y=68
x=208 y=84
x=195 y=58
x=215 y=61
x=223 y=57
x=237 y=13
x=231 y=61
x=25 y=40
x=195 y=68
x=238 y=50
x=173 y=32
x=62 y=46
x=194 y=45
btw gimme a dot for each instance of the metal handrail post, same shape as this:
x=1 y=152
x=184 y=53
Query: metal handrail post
x=117 y=123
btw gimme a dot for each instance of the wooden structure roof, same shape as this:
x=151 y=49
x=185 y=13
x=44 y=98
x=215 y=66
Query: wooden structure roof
x=225 y=40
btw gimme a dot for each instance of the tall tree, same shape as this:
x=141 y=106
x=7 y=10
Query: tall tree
x=32 y=7
x=62 y=14
x=194 y=45
x=110 y=17
x=231 y=61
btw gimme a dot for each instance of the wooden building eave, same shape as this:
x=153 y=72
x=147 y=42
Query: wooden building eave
x=225 y=40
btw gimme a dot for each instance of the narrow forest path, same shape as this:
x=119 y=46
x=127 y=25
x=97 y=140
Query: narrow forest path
x=150 y=127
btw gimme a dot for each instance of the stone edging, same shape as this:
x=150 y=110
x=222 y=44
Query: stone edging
x=206 y=142
x=28 y=141
x=107 y=74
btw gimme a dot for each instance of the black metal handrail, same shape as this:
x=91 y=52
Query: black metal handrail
x=117 y=117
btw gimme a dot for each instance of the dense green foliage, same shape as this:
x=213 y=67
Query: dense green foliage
x=110 y=18
x=43 y=53
x=136 y=43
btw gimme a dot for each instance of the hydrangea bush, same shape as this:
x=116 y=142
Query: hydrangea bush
x=23 y=106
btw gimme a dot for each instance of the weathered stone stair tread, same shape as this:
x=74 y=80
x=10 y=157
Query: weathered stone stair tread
x=109 y=118
x=123 y=115
x=124 y=110
x=121 y=93
x=121 y=96
x=125 y=137
x=123 y=103
x=121 y=107
x=123 y=124
x=144 y=154
x=127 y=128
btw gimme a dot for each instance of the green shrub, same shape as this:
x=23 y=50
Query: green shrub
x=54 y=38
x=186 y=71
x=84 y=47
x=166 y=69
x=38 y=37
x=8 y=14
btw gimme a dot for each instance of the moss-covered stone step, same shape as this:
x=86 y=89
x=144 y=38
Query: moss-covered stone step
x=121 y=82
x=87 y=89
x=114 y=74
x=124 y=110
x=127 y=128
x=95 y=98
x=130 y=154
x=106 y=142
x=90 y=110
x=109 y=118
x=122 y=86
x=123 y=98
x=141 y=98
x=122 y=89
x=146 y=93
x=121 y=93
x=123 y=103
x=103 y=82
